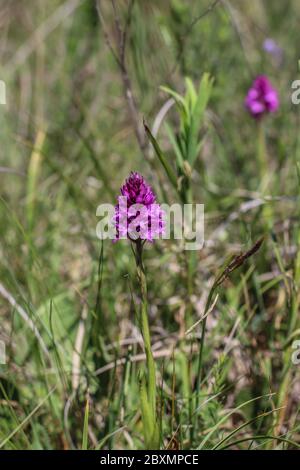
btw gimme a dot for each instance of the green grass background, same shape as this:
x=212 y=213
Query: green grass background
x=67 y=144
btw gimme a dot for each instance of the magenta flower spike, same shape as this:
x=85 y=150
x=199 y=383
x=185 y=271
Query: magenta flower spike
x=262 y=98
x=137 y=215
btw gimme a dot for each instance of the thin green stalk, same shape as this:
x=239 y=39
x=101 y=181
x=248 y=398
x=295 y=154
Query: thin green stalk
x=85 y=433
x=186 y=196
x=190 y=262
x=262 y=152
x=148 y=397
x=267 y=212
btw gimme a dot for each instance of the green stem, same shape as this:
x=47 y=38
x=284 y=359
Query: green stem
x=262 y=152
x=190 y=261
x=148 y=398
x=267 y=212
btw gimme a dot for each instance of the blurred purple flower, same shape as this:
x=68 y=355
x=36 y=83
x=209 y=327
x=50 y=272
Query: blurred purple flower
x=137 y=216
x=271 y=47
x=262 y=98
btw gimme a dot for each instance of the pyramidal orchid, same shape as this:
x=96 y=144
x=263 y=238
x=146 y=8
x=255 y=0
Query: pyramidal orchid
x=139 y=218
x=262 y=98
x=137 y=215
